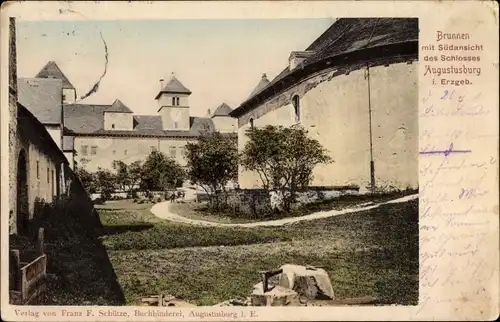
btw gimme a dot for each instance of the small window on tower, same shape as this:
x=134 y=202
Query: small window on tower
x=177 y=100
x=251 y=124
x=112 y=126
x=173 y=100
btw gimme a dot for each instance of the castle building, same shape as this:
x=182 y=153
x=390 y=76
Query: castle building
x=355 y=89
x=38 y=170
x=93 y=136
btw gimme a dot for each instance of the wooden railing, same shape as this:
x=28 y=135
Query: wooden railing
x=28 y=279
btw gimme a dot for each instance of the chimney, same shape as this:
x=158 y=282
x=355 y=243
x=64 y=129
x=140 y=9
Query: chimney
x=264 y=76
x=161 y=84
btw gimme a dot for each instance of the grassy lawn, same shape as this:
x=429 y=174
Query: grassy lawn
x=369 y=253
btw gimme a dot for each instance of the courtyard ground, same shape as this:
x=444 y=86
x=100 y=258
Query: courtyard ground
x=372 y=252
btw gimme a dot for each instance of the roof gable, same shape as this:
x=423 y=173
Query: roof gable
x=174 y=86
x=119 y=107
x=51 y=70
x=42 y=97
x=222 y=110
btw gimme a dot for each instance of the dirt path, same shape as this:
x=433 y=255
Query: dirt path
x=161 y=210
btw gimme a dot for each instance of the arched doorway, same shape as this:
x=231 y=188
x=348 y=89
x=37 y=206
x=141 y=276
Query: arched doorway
x=22 y=193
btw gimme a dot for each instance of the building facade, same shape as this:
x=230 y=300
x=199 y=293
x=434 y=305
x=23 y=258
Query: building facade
x=93 y=136
x=102 y=134
x=38 y=170
x=355 y=89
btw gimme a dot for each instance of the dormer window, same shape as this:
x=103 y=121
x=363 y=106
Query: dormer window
x=251 y=124
x=296 y=107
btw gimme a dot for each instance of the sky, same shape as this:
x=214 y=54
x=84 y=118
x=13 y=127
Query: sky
x=218 y=60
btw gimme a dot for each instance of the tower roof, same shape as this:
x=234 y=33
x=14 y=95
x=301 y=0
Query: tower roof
x=119 y=107
x=51 y=70
x=222 y=110
x=174 y=86
x=261 y=85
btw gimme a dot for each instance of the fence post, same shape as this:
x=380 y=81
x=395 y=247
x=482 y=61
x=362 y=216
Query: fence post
x=16 y=269
x=39 y=242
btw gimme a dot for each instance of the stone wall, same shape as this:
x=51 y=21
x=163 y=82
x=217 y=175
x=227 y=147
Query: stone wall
x=12 y=125
x=260 y=202
x=335 y=109
x=249 y=201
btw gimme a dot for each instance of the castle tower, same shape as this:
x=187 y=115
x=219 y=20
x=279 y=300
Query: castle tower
x=173 y=102
x=260 y=86
x=223 y=122
x=51 y=70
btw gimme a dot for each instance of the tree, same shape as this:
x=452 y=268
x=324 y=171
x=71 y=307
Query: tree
x=284 y=158
x=127 y=176
x=160 y=172
x=86 y=178
x=105 y=183
x=212 y=162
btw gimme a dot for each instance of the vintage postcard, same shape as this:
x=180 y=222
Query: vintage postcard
x=249 y=160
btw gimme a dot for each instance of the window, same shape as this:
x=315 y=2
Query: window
x=177 y=100
x=93 y=150
x=38 y=169
x=112 y=126
x=176 y=125
x=85 y=149
x=64 y=97
x=172 y=152
x=251 y=124
x=53 y=181
x=173 y=100
x=48 y=175
x=296 y=107
x=125 y=152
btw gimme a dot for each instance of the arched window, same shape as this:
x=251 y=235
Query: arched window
x=251 y=123
x=296 y=107
x=177 y=100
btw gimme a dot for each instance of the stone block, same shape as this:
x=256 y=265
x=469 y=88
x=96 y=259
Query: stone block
x=309 y=282
x=277 y=296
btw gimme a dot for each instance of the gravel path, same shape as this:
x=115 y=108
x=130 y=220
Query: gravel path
x=161 y=210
